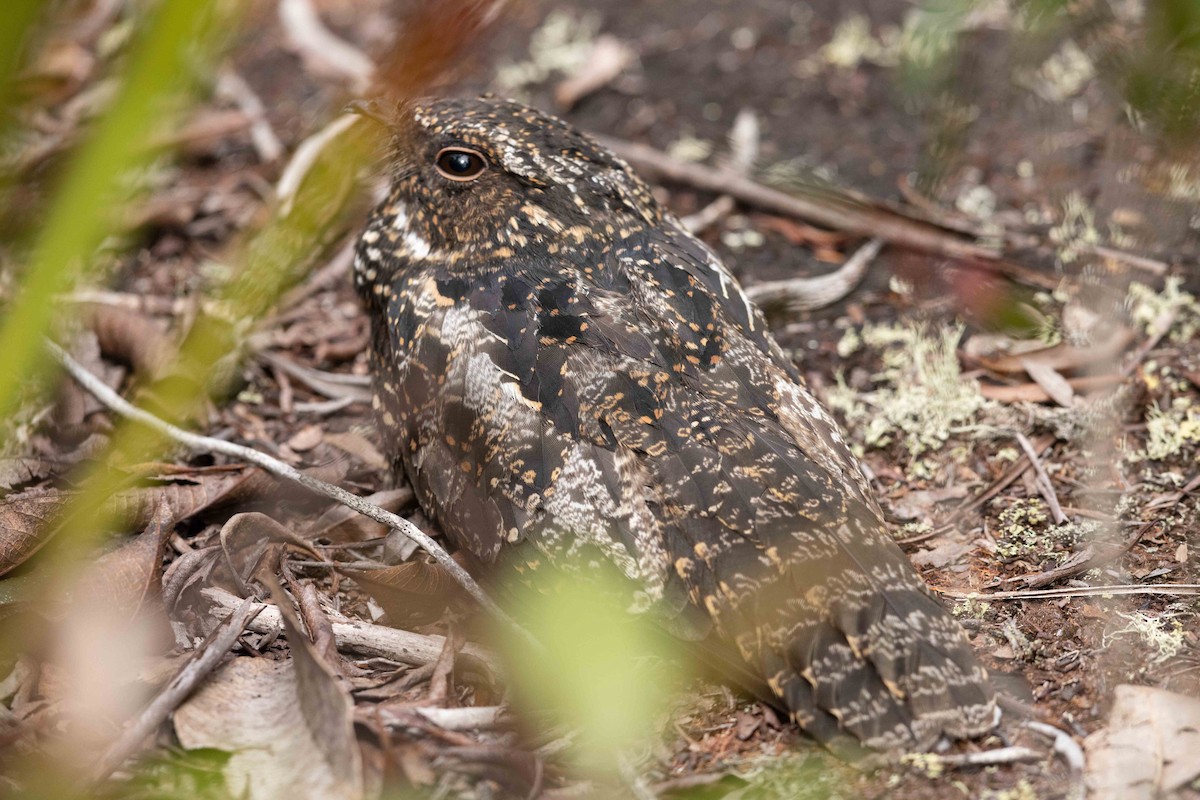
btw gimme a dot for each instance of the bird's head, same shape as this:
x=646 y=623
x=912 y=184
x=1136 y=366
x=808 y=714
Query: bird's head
x=477 y=181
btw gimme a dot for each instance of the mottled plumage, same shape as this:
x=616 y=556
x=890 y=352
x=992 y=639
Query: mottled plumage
x=563 y=372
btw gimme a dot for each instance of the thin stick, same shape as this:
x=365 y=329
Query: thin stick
x=1043 y=480
x=988 y=758
x=1069 y=750
x=807 y=294
x=362 y=637
x=1174 y=589
x=206 y=444
x=832 y=212
x=175 y=692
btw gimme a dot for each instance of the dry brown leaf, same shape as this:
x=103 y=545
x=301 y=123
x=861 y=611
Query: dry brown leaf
x=123 y=579
x=15 y=472
x=192 y=491
x=23 y=525
x=1054 y=384
x=306 y=438
x=131 y=337
x=414 y=592
x=287 y=723
x=1033 y=393
x=250 y=545
x=358 y=446
x=1065 y=357
x=1149 y=747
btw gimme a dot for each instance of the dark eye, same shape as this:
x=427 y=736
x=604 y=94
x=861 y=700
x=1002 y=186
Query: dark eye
x=460 y=164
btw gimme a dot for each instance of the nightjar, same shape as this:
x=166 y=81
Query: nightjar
x=563 y=372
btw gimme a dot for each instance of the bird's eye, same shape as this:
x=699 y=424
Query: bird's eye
x=460 y=164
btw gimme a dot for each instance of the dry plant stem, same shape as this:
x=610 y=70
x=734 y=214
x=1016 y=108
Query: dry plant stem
x=1070 y=752
x=175 y=692
x=262 y=135
x=1084 y=560
x=1169 y=589
x=831 y=212
x=1043 y=480
x=362 y=637
x=473 y=718
x=322 y=48
x=988 y=758
x=807 y=294
x=206 y=444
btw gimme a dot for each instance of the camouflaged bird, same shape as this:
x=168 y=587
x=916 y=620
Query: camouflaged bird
x=563 y=372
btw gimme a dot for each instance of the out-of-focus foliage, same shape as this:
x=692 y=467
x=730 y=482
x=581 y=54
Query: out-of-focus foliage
x=604 y=674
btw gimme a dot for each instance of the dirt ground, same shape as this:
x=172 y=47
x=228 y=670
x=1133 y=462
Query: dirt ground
x=1022 y=128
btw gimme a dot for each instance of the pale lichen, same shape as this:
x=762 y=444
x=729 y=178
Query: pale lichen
x=1163 y=636
x=1025 y=531
x=561 y=46
x=920 y=397
x=1149 y=308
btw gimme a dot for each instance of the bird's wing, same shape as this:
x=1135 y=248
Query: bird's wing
x=639 y=412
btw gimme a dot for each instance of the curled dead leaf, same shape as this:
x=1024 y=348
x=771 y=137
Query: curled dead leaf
x=413 y=593
x=1149 y=748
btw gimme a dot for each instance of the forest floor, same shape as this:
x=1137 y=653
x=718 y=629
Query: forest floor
x=1027 y=429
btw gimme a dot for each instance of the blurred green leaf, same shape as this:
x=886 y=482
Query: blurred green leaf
x=605 y=672
x=85 y=205
x=19 y=18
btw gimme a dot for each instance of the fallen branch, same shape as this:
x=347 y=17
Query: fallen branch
x=471 y=718
x=832 y=211
x=240 y=614
x=360 y=637
x=207 y=444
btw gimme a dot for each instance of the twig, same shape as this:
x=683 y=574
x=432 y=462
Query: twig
x=320 y=48
x=831 y=211
x=806 y=294
x=207 y=444
x=1043 y=480
x=1069 y=750
x=1172 y=589
x=196 y=670
x=464 y=719
x=1084 y=560
x=744 y=140
x=262 y=135
x=988 y=758
x=1001 y=483
x=1151 y=265
x=362 y=637
x=708 y=216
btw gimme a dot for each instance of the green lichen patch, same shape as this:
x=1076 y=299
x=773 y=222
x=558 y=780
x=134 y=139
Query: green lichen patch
x=919 y=399
x=1026 y=531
